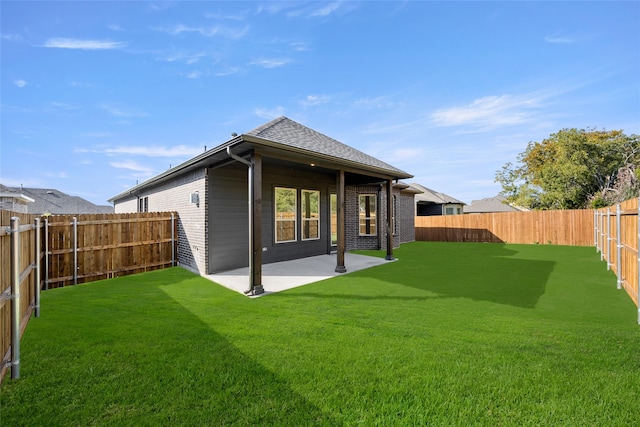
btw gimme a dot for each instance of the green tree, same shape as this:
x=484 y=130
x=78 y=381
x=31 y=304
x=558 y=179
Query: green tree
x=574 y=169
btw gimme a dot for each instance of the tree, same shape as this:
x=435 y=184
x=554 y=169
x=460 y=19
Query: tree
x=574 y=169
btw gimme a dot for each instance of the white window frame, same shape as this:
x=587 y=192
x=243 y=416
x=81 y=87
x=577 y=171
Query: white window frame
x=373 y=219
x=143 y=204
x=280 y=220
x=310 y=220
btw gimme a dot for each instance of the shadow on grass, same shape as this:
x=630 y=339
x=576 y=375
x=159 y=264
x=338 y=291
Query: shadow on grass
x=479 y=271
x=130 y=354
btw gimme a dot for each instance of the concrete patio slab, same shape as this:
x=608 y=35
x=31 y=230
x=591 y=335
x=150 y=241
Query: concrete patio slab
x=280 y=276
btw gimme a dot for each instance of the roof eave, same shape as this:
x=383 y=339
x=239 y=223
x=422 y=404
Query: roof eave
x=380 y=172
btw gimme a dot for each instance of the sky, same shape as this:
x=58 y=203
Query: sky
x=97 y=96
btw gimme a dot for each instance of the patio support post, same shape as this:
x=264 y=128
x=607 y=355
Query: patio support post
x=340 y=268
x=256 y=224
x=389 y=256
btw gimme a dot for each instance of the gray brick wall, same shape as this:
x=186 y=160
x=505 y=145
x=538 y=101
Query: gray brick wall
x=404 y=231
x=175 y=195
x=406 y=214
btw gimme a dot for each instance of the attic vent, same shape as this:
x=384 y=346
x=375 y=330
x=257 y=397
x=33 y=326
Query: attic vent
x=49 y=192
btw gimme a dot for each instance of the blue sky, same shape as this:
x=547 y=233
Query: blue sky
x=96 y=96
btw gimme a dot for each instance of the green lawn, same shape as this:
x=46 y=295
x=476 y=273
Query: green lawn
x=450 y=334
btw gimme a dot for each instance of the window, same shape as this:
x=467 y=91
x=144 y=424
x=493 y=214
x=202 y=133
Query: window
x=367 y=214
x=143 y=204
x=310 y=215
x=286 y=214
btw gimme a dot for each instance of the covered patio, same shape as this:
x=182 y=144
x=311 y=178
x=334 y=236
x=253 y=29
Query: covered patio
x=280 y=276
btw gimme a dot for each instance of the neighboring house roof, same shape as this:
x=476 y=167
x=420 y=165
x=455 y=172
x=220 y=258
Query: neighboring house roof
x=490 y=204
x=48 y=200
x=431 y=196
x=6 y=192
x=283 y=135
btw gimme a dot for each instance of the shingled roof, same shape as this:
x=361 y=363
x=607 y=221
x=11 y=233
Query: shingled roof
x=288 y=132
x=282 y=134
x=52 y=201
x=431 y=196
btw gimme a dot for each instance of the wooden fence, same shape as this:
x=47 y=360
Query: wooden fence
x=74 y=249
x=560 y=227
x=18 y=282
x=85 y=248
x=617 y=239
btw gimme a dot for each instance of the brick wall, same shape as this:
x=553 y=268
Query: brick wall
x=175 y=195
x=406 y=217
x=405 y=231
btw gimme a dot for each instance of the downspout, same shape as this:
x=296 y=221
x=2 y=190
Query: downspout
x=250 y=197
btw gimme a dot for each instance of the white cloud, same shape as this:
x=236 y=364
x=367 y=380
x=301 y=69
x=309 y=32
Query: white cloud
x=20 y=83
x=194 y=75
x=326 y=10
x=187 y=58
x=300 y=46
x=146 y=151
x=115 y=27
x=270 y=113
x=313 y=100
x=12 y=37
x=271 y=62
x=210 y=31
x=119 y=112
x=559 y=40
x=56 y=174
x=132 y=165
x=228 y=71
x=377 y=102
x=65 y=43
x=488 y=112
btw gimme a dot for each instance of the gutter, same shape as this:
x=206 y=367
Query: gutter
x=251 y=290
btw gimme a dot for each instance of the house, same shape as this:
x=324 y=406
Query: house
x=14 y=201
x=46 y=201
x=279 y=192
x=430 y=202
x=489 y=205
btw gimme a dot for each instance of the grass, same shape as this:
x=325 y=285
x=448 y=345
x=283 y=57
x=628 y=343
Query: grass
x=451 y=334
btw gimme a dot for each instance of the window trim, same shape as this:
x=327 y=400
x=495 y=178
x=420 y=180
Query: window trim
x=143 y=204
x=305 y=220
x=373 y=219
x=277 y=220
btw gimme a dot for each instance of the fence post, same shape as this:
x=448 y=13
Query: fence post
x=608 y=238
x=15 y=297
x=36 y=280
x=75 y=250
x=618 y=247
x=46 y=253
x=601 y=237
x=595 y=229
x=173 y=241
